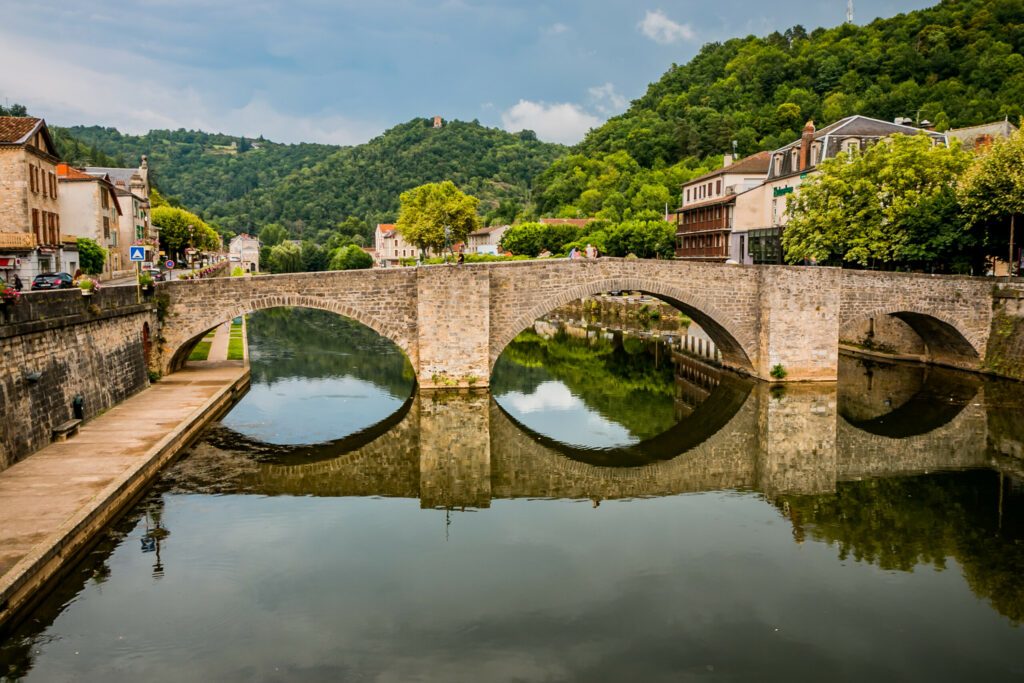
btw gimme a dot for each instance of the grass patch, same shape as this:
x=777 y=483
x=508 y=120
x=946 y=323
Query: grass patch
x=235 y=350
x=201 y=351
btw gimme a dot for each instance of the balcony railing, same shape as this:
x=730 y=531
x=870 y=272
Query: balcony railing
x=703 y=252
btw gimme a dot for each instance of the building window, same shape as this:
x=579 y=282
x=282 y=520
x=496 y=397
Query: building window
x=687 y=194
x=106 y=228
x=718 y=187
x=35 y=225
x=31 y=178
x=104 y=198
x=53 y=185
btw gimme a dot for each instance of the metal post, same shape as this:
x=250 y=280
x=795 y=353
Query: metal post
x=1013 y=216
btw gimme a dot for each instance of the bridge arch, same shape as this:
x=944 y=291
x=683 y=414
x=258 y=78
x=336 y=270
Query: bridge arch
x=737 y=347
x=189 y=332
x=944 y=338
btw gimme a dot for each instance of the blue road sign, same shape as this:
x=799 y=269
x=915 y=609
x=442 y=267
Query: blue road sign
x=169 y=264
x=136 y=253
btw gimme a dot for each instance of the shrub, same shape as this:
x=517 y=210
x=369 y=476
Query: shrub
x=778 y=372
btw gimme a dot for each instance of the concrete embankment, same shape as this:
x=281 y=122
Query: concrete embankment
x=55 y=502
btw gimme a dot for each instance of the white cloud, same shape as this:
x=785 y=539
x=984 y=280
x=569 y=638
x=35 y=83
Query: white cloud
x=65 y=87
x=661 y=29
x=555 y=29
x=606 y=100
x=566 y=123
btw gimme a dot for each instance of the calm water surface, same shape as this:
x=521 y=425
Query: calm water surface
x=612 y=510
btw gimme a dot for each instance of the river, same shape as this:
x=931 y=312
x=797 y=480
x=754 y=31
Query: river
x=613 y=508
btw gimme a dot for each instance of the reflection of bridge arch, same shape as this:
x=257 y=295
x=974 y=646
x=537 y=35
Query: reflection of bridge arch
x=710 y=416
x=941 y=396
x=305 y=454
x=737 y=346
x=522 y=467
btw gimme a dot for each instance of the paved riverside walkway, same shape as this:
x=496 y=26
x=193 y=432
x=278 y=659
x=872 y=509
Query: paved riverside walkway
x=56 y=500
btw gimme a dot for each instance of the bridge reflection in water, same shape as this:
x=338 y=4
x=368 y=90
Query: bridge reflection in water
x=461 y=450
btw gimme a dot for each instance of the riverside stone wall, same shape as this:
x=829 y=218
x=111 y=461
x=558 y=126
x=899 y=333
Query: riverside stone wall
x=57 y=345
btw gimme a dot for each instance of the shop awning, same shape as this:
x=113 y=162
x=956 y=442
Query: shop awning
x=8 y=262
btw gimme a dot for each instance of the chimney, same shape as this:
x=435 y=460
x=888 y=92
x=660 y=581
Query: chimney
x=805 y=145
x=727 y=161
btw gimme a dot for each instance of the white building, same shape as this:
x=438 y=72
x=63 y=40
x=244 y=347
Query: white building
x=244 y=252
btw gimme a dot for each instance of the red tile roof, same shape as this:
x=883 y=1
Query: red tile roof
x=67 y=172
x=15 y=129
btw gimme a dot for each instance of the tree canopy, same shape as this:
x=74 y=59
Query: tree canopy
x=91 y=256
x=991 y=192
x=434 y=214
x=892 y=205
x=175 y=231
x=285 y=258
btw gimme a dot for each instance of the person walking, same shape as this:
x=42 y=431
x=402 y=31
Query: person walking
x=591 y=251
x=17 y=283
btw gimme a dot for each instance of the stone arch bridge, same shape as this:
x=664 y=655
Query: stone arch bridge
x=454 y=321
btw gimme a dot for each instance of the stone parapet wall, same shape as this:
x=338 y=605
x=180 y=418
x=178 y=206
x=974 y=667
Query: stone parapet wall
x=39 y=311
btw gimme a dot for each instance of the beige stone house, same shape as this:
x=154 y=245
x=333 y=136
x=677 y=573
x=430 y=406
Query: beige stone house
x=708 y=212
x=132 y=184
x=486 y=240
x=391 y=247
x=30 y=227
x=89 y=208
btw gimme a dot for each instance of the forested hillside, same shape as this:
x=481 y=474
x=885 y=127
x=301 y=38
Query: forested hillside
x=242 y=184
x=203 y=171
x=958 y=63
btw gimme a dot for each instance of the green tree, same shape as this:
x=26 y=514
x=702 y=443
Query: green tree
x=180 y=228
x=429 y=210
x=91 y=255
x=894 y=205
x=350 y=257
x=642 y=238
x=273 y=234
x=991 y=193
x=285 y=258
x=314 y=257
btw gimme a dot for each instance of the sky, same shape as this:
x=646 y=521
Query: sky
x=343 y=71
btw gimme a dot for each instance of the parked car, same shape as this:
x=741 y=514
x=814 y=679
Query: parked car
x=155 y=273
x=51 y=281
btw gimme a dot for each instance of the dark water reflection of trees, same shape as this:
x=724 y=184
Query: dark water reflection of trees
x=311 y=344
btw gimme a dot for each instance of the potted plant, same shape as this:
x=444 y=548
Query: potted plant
x=147 y=283
x=87 y=285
